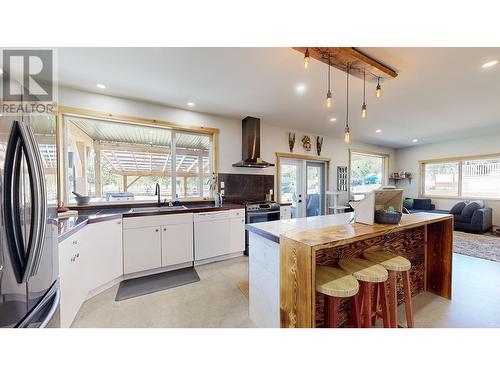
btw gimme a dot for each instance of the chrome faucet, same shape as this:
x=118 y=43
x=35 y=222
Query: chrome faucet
x=157 y=192
x=219 y=198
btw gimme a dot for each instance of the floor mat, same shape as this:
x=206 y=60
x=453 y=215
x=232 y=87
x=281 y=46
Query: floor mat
x=154 y=283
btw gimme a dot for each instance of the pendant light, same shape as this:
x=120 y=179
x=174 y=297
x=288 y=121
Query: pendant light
x=378 y=90
x=363 y=107
x=329 y=93
x=347 y=132
x=306 y=58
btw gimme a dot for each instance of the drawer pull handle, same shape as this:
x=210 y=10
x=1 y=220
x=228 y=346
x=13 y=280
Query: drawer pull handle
x=164 y=229
x=156 y=230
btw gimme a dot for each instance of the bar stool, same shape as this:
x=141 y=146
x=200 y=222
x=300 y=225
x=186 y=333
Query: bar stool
x=368 y=273
x=336 y=284
x=395 y=264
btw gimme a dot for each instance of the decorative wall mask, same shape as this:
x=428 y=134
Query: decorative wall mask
x=291 y=141
x=306 y=143
x=319 y=144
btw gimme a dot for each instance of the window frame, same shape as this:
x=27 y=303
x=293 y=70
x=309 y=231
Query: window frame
x=460 y=160
x=385 y=177
x=62 y=178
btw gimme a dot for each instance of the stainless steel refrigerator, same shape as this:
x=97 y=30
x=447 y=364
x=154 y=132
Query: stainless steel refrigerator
x=29 y=290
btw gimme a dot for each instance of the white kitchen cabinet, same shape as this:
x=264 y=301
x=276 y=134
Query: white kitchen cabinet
x=285 y=212
x=237 y=234
x=212 y=234
x=104 y=241
x=177 y=241
x=72 y=276
x=141 y=249
x=156 y=241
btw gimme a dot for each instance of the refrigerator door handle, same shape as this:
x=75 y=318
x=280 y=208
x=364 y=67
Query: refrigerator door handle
x=12 y=170
x=19 y=141
x=41 y=201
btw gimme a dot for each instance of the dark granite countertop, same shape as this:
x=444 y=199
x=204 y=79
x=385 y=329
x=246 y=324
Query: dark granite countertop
x=69 y=226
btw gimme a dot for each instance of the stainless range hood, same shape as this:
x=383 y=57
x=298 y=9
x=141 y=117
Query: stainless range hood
x=251 y=145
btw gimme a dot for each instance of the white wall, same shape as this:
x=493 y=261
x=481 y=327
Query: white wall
x=407 y=159
x=273 y=138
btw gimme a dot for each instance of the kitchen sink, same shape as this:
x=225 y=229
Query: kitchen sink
x=159 y=209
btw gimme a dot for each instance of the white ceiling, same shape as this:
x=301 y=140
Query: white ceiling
x=440 y=93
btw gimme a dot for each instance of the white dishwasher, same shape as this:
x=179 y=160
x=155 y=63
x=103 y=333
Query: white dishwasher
x=212 y=231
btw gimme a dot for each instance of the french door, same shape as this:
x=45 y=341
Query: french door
x=303 y=183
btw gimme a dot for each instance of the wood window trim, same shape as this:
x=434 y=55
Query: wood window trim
x=459 y=159
x=62 y=111
x=368 y=153
x=286 y=155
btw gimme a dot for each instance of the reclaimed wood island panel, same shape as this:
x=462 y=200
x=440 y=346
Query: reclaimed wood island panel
x=424 y=238
x=283 y=256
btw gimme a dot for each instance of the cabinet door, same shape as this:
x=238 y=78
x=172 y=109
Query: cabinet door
x=104 y=244
x=176 y=244
x=212 y=238
x=237 y=235
x=72 y=277
x=141 y=249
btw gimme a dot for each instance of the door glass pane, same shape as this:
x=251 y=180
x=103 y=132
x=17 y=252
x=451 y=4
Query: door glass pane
x=315 y=189
x=441 y=179
x=288 y=185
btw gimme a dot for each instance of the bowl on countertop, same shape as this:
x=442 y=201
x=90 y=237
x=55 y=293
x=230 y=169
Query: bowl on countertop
x=385 y=217
x=82 y=200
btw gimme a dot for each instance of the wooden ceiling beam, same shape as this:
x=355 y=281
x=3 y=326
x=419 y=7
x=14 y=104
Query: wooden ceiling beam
x=359 y=62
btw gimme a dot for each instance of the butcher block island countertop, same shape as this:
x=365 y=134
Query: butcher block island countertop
x=302 y=244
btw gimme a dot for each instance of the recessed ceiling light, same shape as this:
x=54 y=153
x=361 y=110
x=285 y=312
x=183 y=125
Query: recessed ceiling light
x=333 y=119
x=100 y=85
x=191 y=104
x=378 y=131
x=489 y=64
x=415 y=140
x=300 y=88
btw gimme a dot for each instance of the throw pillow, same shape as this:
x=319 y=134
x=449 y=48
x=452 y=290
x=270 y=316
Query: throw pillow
x=468 y=211
x=422 y=204
x=457 y=208
x=408 y=203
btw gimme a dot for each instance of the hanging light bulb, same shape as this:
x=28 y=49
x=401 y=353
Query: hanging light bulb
x=347 y=132
x=306 y=58
x=363 y=107
x=347 y=135
x=378 y=90
x=329 y=93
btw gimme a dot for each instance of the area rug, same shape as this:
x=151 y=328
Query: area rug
x=477 y=245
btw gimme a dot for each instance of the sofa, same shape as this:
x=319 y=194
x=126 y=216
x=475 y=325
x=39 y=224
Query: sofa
x=413 y=205
x=469 y=216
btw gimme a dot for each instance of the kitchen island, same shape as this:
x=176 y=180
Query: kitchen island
x=284 y=255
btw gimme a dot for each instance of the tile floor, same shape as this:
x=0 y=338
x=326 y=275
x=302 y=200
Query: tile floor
x=216 y=301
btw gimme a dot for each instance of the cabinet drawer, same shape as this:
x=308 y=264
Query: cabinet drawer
x=156 y=220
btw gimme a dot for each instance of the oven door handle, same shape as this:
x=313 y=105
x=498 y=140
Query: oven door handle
x=261 y=213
